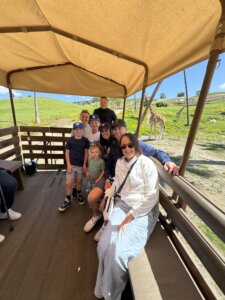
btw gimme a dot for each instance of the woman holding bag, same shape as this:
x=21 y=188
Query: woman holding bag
x=132 y=220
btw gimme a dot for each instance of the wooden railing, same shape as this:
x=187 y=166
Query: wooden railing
x=10 y=144
x=45 y=145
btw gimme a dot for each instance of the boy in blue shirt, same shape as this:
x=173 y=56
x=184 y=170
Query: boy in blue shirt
x=76 y=160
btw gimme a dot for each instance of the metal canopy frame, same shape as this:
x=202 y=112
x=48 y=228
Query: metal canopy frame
x=214 y=54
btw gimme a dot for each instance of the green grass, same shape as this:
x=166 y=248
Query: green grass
x=51 y=109
x=212 y=237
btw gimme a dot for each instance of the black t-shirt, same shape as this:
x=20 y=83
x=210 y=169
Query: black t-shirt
x=77 y=149
x=106 y=115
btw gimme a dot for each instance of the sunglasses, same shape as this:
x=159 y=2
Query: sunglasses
x=124 y=146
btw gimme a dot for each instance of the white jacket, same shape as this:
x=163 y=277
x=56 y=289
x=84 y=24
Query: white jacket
x=141 y=190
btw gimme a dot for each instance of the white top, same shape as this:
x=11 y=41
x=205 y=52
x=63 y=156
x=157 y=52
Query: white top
x=94 y=138
x=141 y=190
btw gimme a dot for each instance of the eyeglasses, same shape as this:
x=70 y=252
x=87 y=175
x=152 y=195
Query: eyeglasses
x=124 y=146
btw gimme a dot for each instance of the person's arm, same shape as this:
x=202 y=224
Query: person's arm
x=162 y=156
x=102 y=173
x=85 y=159
x=100 y=177
x=68 y=164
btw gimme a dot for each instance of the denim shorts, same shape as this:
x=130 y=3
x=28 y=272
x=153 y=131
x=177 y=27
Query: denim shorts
x=77 y=172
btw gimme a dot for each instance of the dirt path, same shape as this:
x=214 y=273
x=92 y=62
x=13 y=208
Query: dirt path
x=206 y=169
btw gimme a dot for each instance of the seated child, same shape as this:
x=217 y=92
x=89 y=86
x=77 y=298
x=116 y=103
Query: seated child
x=95 y=172
x=76 y=161
x=94 y=135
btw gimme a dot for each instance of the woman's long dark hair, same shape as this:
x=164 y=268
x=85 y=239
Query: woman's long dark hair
x=133 y=140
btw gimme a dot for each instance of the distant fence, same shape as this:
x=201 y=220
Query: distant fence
x=46 y=145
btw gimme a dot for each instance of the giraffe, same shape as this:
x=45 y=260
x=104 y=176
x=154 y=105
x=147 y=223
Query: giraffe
x=178 y=114
x=154 y=119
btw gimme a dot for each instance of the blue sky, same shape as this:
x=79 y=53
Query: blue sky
x=170 y=86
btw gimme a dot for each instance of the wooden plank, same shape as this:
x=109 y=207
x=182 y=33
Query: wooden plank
x=9 y=142
x=51 y=166
x=44 y=156
x=167 y=272
x=46 y=248
x=44 y=129
x=40 y=147
x=10 y=153
x=41 y=138
x=8 y=131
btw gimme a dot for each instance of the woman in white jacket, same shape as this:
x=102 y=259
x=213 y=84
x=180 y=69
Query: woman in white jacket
x=132 y=221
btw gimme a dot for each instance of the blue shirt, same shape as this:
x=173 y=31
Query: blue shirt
x=77 y=150
x=147 y=150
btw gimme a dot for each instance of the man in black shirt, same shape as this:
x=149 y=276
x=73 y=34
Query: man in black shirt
x=105 y=114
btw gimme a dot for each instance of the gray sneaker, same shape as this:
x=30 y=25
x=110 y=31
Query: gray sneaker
x=66 y=204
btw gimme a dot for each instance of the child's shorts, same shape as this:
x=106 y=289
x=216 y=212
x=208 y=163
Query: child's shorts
x=100 y=184
x=77 y=172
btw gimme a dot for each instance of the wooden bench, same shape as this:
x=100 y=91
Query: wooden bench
x=14 y=167
x=159 y=273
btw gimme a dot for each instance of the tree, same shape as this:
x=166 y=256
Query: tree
x=162 y=96
x=197 y=93
x=37 y=119
x=180 y=94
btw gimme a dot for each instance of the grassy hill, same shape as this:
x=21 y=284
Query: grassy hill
x=50 y=110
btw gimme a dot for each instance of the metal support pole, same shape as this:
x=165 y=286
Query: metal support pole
x=214 y=55
x=150 y=100
x=12 y=105
x=124 y=107
x=140 y=110
x=186 y=92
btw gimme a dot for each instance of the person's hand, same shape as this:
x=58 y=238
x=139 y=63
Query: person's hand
x=107 y=184
x=69 y=168
x=97 y=181
x=126 y=221
x=102 y=204
x=171 y=168
x=84 y=168
x=87 y=174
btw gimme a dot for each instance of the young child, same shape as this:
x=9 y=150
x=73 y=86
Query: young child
x=76 y=161
x=95 y=172
x=94 y=135
x=84 y=117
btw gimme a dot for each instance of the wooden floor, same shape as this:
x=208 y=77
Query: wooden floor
x=48 y=255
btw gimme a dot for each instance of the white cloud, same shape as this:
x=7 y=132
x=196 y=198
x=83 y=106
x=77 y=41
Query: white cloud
x=222 y=86
x=69 y=96
x=17 y=94
x=3 y=90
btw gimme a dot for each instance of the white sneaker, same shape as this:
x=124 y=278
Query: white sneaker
x=13 y=215
x=99 y=233
x=91 y=223
x=1 y=238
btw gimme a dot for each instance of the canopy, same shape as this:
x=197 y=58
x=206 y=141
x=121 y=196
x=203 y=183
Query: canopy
x=103 y=47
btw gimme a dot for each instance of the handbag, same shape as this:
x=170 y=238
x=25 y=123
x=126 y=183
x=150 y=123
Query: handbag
x=110 y=201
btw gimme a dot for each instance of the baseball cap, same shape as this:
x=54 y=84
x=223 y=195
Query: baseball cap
x=105 y=126
x=119 y=123
x=94 y=118
x=78 y=125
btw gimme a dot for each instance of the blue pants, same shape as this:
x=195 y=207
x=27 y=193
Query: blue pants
x=9 y=187
x=116 y=249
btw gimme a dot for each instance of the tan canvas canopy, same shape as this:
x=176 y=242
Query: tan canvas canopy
x=103 y=47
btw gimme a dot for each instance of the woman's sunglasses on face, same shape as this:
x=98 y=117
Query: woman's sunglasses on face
x=124 y=146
